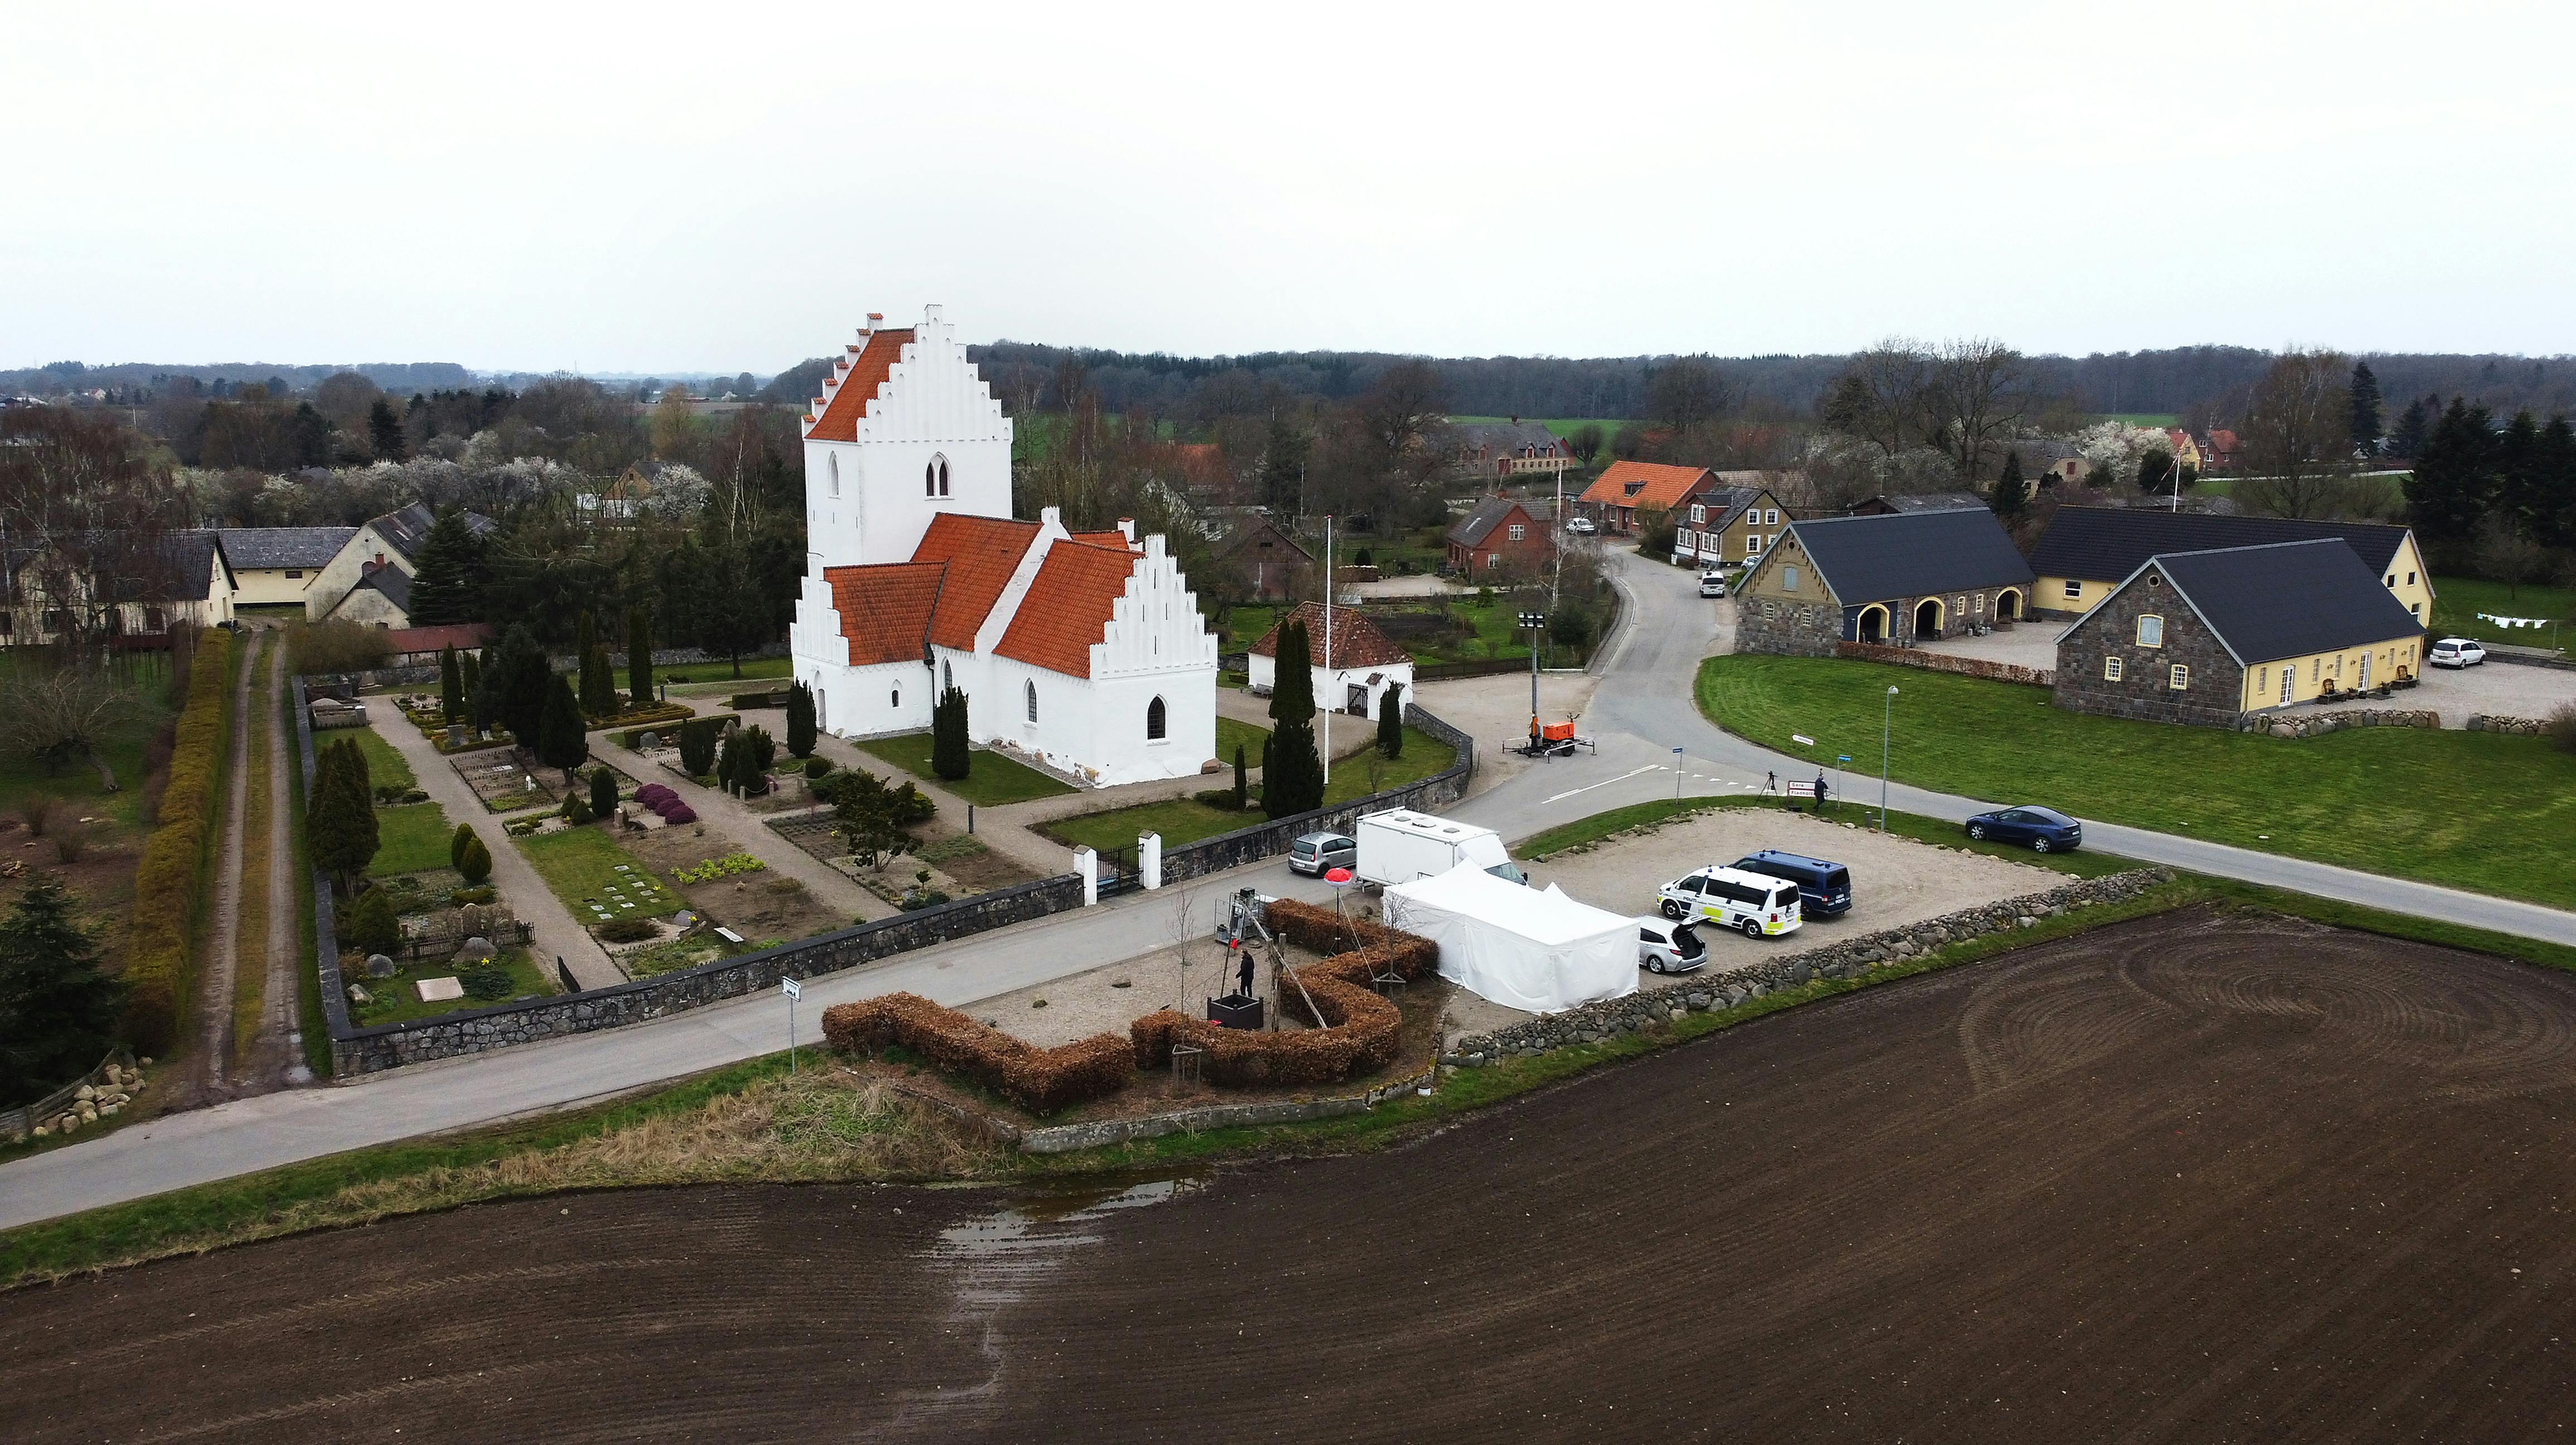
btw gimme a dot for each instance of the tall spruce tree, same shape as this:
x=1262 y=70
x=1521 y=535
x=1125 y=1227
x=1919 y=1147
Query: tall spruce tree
x=1292 y=781
x=2011 y=493
x=560 y=743
x=2414 y=428
x=599 y=695
x=385 y=432
x=451 y=686
x=1242 y=784
x=469 y=671
x=340 y=821
x=446 y=587
x=1390 y=720
x=950 y=757
x=2555 y=523
x=2366 y=427
x=2521 y=496
x=639 y=657
x=58 y=1011
x=800 y=721
x=515 y=675
x=2453 y=479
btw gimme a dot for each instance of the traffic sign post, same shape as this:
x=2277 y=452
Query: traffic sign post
x=794 y=991
x=1677 y=775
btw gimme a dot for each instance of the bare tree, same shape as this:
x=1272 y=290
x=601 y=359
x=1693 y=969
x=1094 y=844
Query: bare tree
x=60 y=713
x=1975 y=395
x=1893 y=377
x=2509 y=557
x=85 y=516
x=1685 y=394
x=2296 y=436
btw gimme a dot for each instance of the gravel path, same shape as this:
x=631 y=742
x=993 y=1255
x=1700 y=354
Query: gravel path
x=209 y=1064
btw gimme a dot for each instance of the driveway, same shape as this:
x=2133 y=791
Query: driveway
x=2024 y=644
x=2499 y=689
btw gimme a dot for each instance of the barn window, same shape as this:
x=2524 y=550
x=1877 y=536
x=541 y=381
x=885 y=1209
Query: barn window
x=1154 y=721
x=2180 y=677
x=2151 y=631
x=1029 y=696
x=2110 y=669
x=1788 y=579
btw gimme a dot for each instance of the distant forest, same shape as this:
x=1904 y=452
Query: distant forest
x=2202 y=384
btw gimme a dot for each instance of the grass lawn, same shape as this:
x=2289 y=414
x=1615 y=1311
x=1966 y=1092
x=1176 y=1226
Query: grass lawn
x=2480 y=811
x=385 y=767
x=720 y=671
x=1538 y=847
x=411 y=838
x=581 y=865
x=991 y=779
x=395 y=1000
x=2457 y=601
x=1563 y=426
x=76 y=782
x=2160 y=419
x=1186 y=820
x=1231 y=734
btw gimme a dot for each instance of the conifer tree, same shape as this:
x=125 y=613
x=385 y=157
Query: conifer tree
x=1390 y=720
x=2453 y=478
x=639 y=657
x=385 y=433
x=340 y=822
x=560 y=743
x=1242 y=785
x=58 y=1011
x=2366 y=428
x=469 y=672
x=603 y=793
x=800 y=721
x=1293 y=779
x=446 y=587
x=451 y=686
x=2012 y=494
x=456 y=842
x=950 y=757
x=2414 y=428
x=475 y=863
x=599 y=696
x=373 y=925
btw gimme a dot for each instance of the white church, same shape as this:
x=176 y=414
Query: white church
x=1083 y=650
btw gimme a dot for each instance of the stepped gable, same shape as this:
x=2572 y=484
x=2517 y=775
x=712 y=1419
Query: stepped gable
x=981 y=553
x=853 y=385
x=1068 y=607
x=886 y=609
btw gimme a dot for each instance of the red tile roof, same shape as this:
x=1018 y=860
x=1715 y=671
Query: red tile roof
x=1068 y=607
x=981 y=553
x=885 y=609
x=1105 y=539
x=860 y=375
x=1356 y=641
x=1659 y=485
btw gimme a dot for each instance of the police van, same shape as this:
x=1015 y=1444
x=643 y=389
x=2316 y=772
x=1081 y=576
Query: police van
x=1749 y=903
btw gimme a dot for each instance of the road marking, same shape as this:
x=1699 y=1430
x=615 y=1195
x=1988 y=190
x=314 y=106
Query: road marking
x=1605 y=782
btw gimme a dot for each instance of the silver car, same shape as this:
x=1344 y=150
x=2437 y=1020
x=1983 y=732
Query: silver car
x=1664 y=946
x=1315 y=854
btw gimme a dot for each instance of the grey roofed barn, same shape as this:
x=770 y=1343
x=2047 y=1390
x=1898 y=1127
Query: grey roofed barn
x=2280 y=599
x=270 y=548
x=1910 y=554
x=2104 y=543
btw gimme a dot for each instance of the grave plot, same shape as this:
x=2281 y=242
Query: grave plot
x=506 y=787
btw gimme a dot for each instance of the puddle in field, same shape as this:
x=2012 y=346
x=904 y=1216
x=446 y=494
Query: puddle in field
x=994 y=1260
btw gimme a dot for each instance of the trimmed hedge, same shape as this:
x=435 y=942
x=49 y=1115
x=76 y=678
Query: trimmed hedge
x=170 y=882
x=1360 y=1031
x=1041 y=1081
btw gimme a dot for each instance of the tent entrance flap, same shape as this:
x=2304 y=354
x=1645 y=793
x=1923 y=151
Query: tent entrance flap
x=1525 y=948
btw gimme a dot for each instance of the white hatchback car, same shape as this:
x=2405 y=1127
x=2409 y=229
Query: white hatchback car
x=1712 y=584
x=1664 y=946
x=2456 y=652
x=1750 y=903
x=1581 y=526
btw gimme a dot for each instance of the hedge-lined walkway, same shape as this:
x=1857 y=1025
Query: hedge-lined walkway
x=208 y=1073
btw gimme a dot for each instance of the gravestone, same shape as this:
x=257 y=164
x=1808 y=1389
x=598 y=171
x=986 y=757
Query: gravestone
x=649 y=741
x=439 y=990
x=476 y=948
x=379 y=966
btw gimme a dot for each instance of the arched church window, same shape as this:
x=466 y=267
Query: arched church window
x=930 y=478
x=1154 y=721
x=1029 y=694
x=833 y=463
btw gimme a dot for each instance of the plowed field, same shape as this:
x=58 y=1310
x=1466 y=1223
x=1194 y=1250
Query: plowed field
x=2188 y=1179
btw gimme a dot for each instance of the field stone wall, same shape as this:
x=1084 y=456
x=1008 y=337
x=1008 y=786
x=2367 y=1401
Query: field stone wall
x=2318 y=724
x=1844 y=958
x=2523 y=726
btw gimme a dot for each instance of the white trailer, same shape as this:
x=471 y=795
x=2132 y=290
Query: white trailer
x=1400 y=845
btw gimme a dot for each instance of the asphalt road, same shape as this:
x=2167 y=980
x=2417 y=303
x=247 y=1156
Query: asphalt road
x=1643 y=710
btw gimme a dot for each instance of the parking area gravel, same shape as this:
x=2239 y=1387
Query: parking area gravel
x=1495 y=711
x=1895 y=881
x=2500 y=689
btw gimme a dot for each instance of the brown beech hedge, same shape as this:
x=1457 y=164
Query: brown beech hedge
x=1038 y=1080
x=172 y=881
x=1360 y=1029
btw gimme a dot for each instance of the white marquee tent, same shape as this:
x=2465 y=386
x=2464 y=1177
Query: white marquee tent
x=1525 y=948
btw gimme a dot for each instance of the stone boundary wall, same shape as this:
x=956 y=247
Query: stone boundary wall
x=1844 y=958
x=1270 y=839
x=1945 y=662
x=2318 y=724
x=2525 y=726
x=386 y=1046
x=2523 y=657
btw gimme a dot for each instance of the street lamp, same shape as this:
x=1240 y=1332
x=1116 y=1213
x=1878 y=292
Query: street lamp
x=1886 y=721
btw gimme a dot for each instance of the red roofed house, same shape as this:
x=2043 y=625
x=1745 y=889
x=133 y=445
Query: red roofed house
x=1081 y=651
x=1625 y=489
x=1363 y=664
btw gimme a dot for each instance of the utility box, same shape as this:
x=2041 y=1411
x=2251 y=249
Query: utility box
x=1235 y=1011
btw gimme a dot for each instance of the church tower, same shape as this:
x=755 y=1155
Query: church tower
x=905 y=429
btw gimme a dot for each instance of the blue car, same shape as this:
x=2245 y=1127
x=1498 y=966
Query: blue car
x=2046 y=830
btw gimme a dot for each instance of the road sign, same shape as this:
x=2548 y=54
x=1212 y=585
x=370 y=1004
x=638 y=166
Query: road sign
x=794 y=991
x=791 y=988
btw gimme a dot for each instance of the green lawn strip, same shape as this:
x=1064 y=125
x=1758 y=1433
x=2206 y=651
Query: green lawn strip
x=581 y=864
x=385 y=767
x=395 y=1000
x=1582 y=832
x=991 y=779
x=1231 y=734
x=2457 y=601
x=410 y=838
x=1187 y=820
x=311 y=1021
x=2483 y=811
x=754 y=669
x=233 y=1210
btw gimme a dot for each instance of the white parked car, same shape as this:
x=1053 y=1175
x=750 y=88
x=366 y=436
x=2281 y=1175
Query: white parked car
x=1664 y=946
x=1751 y=904
x=1580 y=526
x=2456 y=652
x=1712 y=584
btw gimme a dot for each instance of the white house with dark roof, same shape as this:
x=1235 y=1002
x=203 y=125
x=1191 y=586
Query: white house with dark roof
x=1352 y=669
x=1082 y=651
x=283 y=569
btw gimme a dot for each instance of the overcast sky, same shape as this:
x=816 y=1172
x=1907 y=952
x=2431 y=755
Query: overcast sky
x=710 y=189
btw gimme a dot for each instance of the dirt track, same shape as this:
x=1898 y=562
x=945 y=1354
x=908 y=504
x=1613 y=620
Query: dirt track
x=2187 y=1179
